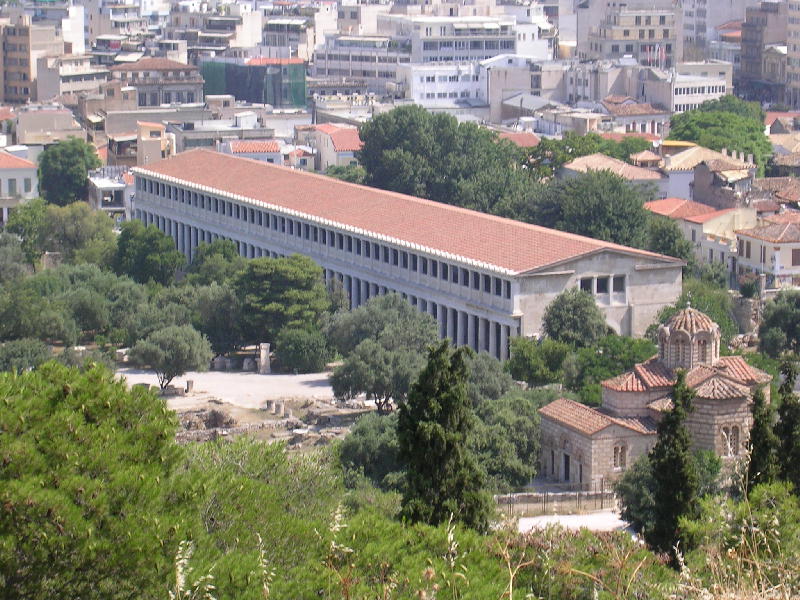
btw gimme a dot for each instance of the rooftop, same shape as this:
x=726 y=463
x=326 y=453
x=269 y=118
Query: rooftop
x=9 y=161
x=775 y=233
x=489 y=242
x=601 y=162
x=345 y=139
x=523 y=139
x=254 y=146
x=588 y=420
x=678 y=208
x=153 y=64
x=688 y=159
x=263 y=60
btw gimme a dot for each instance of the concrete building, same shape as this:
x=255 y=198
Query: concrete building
x=483 y=278
x=793 y=55
x=764 y=24
x=589 y=447
x=772 y=249
x=334 y=145
x=244 y=125
x=359 y=19
x=24 y=42
x=451 y=39
x=40 y=125
x=110 y=190
x=279 y=82
x=726 y=44
x=19 y=182
x=268 y=151
x=688 y=86
x=160 y=81
x=211 y=29
x=66 y=17
x=650 y=32
x=443 y=85
x=294 y=30
x=701 y=20
x=114 y=17
x=371 y=59
x=68 y=75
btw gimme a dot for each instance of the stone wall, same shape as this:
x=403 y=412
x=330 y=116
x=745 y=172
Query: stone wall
x=630 y=404
x=635 y=443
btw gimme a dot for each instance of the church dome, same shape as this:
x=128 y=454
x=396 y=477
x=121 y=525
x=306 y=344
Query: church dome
x=691 y=321
x=688 y=339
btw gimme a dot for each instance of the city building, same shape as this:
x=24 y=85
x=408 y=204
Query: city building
x=19 y=182
x=483 y=278
x=70 y=74
x=590 y=447
x=727 y=44
x=371 y=59
x=687 y=86
x=772 y=249
x=334 y=145
x=211 y=29
x=161 y=81
x=279 y=82
x=650 y=32
x=110 y=190
x=23 y=43
x=793 y=55
x=443 y=85
x=630 y=173
x=764 y=24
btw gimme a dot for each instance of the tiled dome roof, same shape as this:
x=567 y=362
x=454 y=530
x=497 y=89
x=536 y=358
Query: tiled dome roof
x=692 y=321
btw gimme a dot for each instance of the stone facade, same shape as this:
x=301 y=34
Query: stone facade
x=590 y=447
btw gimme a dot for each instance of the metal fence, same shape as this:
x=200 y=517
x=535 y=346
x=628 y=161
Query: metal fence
x=557 y=499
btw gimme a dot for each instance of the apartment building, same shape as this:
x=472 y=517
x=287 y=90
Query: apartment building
x=160 y=81
x=371 y=59
x=24 y=42
x=68 y=74
x=792 y=97
x=764 y=24
x=444 y=85
x=210 y=29
x=651 y=33
x=482 y=278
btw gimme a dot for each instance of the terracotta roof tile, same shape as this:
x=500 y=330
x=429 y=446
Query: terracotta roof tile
x=788 y=160
x=601 y=162
x=627 y=382
x=345 y=139
x=502 y=243
x=654 y=373
x=9 y=161
x=691 y=321
x=645 y=155
x=154 y=64
x=786 y=189
x=688 y=159
x=776 y=233
x=661 y=405
x=697 y=375
x=523 y=139
x=790 y=216
x=772 y=116
x=737 y=369
x=720 y=388
x=644 y=425
x=618 y=137
x=576 y=416
x=254 y=146
x=705 y=218
x=678 y=208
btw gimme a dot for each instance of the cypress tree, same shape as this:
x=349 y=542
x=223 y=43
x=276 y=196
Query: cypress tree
x=763 y=467
x=433 y=427
x=788 y=427
x=674 y=473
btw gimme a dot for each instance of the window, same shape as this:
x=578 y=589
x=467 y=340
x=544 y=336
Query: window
x=404 y=260
x=747 y=248
x=586 y=285
x=602 y=285
x=487 y=284
x=26 y=184
x=619 y=284
x=395 y=257
x=730 y=440
x=620 y=457
x=476 y=280
x=464 y=277
x=423 y=266
x=444 y=272
x=12 y=187
x=795 y=257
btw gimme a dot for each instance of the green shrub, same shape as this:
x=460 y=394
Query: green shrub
x=301 y=350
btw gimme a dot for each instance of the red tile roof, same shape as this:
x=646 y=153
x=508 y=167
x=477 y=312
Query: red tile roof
x=254 y=146
x=345 y=139
x=786 y=189
x=705 y=218
x=6 y=113
x=678 y=208
x=618 y=137
x=153 y=64
x=523 y=139
x=261 y=61
x=505 y=244
x=601 y=162
x=772 y=116
x=9 y=161
x=775 y=233
x=720 y=388
x=588 y=421
x=790 y=216
x=691 y=321
x=737 y=368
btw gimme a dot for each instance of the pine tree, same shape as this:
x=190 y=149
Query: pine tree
x=674 y=473
x=788 y=427
x=434 y=424
x=763 y=467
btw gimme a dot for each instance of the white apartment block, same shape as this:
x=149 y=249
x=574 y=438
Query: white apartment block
x=374 y=59
x=689 y=85
x=444 y=85
x=451 y=39
x=484 y=279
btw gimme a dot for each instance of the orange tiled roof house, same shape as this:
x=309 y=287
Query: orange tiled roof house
x=592 y=446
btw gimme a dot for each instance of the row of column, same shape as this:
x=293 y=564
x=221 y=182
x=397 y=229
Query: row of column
x=462 y=327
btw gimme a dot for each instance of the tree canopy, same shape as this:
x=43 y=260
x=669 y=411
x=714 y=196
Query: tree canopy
x=443 y=480
x=146 y=254
x=726 y=123
x=779 y=330
x=217 y=262
x=276 y=292
x=596 y=204
x=573 y=317
x=64 y=168
x=171 y=352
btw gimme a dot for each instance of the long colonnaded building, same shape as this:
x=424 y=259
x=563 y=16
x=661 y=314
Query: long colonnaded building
x=483 y=278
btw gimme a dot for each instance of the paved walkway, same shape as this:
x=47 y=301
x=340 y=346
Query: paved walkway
x=244 y=389
x=606 y=520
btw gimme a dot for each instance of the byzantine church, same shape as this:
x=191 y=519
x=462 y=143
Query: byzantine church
x=593 y=446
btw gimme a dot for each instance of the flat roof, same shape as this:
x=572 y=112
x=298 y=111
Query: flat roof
x=486 y=241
